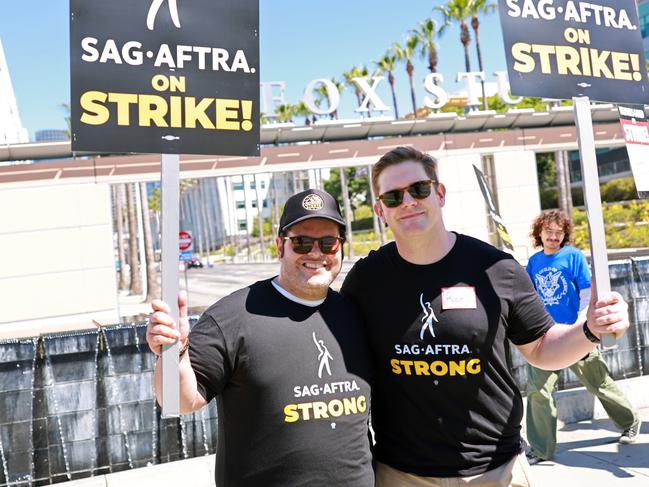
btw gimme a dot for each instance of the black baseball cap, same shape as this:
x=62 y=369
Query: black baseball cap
x=311 y=203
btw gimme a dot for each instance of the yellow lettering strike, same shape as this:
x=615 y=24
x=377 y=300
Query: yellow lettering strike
x=95 y=113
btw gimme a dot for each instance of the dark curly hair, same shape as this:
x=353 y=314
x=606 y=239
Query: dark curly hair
x=547 y=217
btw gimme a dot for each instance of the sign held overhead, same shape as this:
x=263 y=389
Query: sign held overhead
x=168 y=76
x=566 y=48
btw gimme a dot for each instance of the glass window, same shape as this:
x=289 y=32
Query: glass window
x=241 y=204
x=242 y=225
x=237 y=186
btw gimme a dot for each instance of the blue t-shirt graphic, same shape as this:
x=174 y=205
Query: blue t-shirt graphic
x=558 y=279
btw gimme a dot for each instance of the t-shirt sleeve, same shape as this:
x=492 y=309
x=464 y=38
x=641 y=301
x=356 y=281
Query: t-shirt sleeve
x=351 y=284
x=582 y=271
x=208 y=354
x=528 y=320
x=530 y=272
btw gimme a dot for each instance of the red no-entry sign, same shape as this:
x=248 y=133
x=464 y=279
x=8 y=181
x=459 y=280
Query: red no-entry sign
x=184 y=241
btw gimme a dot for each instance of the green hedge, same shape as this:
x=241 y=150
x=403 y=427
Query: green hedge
x=616 y=190
x=626 y=225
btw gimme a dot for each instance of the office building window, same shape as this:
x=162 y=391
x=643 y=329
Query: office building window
x=240 y=204
x=237 y=186
x=242 y=225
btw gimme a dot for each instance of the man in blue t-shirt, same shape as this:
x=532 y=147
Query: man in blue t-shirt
x=562 y=280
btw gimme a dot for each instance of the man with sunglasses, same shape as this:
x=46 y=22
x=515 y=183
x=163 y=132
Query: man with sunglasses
x=440 y=309
x=287 y=360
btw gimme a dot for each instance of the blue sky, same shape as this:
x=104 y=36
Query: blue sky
x=300 y=40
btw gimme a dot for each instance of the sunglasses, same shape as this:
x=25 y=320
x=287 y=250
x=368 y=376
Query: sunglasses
x=418 y=190
x=303 y=244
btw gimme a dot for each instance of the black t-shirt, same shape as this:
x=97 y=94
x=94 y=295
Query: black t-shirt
x=293 y=383
x=444 y=403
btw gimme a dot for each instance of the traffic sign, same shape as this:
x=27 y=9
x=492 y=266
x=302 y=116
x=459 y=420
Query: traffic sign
x=184 y=241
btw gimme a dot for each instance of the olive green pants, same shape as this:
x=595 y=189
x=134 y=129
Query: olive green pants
x=542 y=411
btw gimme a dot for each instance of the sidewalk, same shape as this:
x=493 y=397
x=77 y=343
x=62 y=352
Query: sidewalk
x=588 y=455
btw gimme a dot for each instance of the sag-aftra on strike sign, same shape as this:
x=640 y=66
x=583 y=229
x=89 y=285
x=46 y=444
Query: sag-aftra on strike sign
x=167 y=76
x=566 y=48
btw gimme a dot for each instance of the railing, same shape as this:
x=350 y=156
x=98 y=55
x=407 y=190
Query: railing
x=78 y=405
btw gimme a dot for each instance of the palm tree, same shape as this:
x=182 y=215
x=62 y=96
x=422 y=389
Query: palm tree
x=136 y=281
x=152 y=287
x=407 y=52
x=301 y=110
x=340 y=86
x=357 y=72
x=480 y=7
x=68 y=119
x=459 y=11
x=386 y=65
x=285 y=113
x=426 y=33
x=322 y=95
x=118 y=196
x=349 y=76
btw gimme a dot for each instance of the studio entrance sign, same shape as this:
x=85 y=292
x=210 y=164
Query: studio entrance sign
x=167 y=76
x=565 y=48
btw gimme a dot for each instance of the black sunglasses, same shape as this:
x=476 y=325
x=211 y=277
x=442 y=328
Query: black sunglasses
x=418 y=190
x=303 y=244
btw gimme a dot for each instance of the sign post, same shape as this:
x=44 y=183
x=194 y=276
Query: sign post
x=593 y=201
x=565 y=49
x=169 y=77
x=170 y=196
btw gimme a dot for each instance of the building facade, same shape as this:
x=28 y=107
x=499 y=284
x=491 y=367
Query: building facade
x=643 y=12
x=11 y=129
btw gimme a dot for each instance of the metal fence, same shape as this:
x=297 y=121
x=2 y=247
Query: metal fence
x=78 y=405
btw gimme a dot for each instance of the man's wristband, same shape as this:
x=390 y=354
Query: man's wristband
x=589 y=334
x=181 y=352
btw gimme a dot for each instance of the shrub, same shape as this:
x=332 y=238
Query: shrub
x=625 y=225
x=619 y=190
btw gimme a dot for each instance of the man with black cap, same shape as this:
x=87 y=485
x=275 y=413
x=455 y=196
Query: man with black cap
x=288 y=360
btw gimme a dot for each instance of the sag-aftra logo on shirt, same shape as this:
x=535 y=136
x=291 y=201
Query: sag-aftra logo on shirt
x=325 y=409
x=450 y=359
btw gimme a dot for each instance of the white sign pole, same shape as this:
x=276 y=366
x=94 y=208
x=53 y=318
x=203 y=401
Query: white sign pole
x=593 y=201
x=170 y=192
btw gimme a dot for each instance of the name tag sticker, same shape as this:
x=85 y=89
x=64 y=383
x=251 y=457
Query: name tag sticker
x=459 y=297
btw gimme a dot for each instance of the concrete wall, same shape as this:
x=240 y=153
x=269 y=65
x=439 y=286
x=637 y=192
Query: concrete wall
x=518 y=196
x=519 y=201
x=57 y=255
x=465 y=210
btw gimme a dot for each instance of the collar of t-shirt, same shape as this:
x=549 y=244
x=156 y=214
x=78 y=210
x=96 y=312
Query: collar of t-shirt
x=294 y=298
